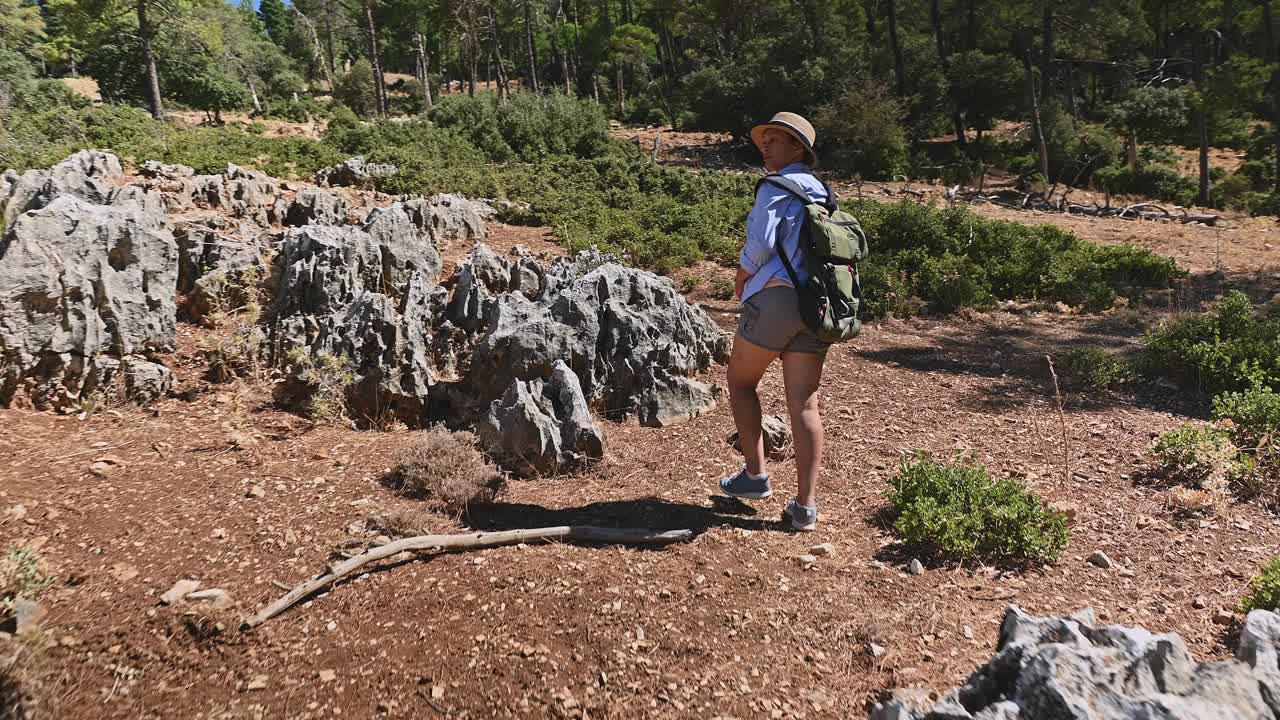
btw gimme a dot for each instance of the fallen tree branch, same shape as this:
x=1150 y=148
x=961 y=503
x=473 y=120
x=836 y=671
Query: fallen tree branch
x=1035 y=201
x=469 y=541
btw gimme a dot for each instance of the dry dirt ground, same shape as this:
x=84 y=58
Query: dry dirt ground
x=219 y=485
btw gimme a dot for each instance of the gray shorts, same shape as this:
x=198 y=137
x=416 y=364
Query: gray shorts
x=771 y=319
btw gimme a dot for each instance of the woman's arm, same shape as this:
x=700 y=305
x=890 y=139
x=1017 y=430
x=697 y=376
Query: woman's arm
x=740 y=282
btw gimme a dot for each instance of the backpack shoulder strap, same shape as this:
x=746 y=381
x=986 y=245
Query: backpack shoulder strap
x=799 y=192
x=787 y=184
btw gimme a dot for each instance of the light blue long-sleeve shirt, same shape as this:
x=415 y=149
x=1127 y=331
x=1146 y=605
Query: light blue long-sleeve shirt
x=777 y=214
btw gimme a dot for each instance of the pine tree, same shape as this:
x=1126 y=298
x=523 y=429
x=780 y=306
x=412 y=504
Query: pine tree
x=276 y=20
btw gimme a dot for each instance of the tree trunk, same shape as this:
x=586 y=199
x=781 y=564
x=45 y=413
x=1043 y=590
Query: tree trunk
x=1036 y=128
x=935 y=15
x=1046 y=59
x=1131 y=150
x=253 y=95
x=1202 y=123
x=380 y=86
x=422 y=70
x=899 y=67
x=971 y=27
x=146 y=32
x=504 y=91
x=622 y=102
x=317 y=54
x=528 y=39
x=330 y=54
x=1070 y=90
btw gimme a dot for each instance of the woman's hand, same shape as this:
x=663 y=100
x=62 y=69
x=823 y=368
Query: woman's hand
x=740 y=283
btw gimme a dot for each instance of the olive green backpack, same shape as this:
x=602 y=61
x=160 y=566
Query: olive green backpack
x=834 y=243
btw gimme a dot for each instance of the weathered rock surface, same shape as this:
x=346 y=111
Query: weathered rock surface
x=629 y=336
x=448 y=218
x=87 y=274
x=542 y=427
x=242 y=193
x=364 y=295
x=219 y=264
x=354 y=171
x=1070 y=669
x=316 y=207
x=89 y=175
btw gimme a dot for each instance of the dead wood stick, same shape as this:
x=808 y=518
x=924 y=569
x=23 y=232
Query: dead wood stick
x=469 y=541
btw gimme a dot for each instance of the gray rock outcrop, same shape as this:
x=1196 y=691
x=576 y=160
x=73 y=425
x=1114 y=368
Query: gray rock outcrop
x=450 y=218
x=628 y=335
x=219 y=265
x=365 y=296
x=316 y=207
x=542 y=427
x=242 y=193
x=353 y=172
x=89 y=175
x=777 y=437
x=86 y=289
x=1070 y=669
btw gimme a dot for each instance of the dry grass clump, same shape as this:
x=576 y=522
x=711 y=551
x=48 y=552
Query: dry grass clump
x=446 y=468
x=22 y=575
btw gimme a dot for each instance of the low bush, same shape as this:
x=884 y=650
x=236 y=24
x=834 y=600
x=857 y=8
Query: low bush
x=446 y=468
x=1264 y=590
x=1094 y=369
x=959 y=511
x=1202 y=457
x=1254 y=412
x=1229 y=347
x=1154 y=181
x=1253 y=418
x=22 y=575
x=526 y=126
x=327 y=379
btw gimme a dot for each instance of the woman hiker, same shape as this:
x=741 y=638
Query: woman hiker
x=770 y=325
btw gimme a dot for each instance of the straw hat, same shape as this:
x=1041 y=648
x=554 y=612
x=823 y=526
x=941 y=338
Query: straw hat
x=793 y=125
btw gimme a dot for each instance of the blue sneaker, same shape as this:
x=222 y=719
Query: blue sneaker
x=746 y=486
x=801 y=517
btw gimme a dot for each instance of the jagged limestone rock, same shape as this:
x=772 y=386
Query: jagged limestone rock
x=82 y=287
x=1068 y=669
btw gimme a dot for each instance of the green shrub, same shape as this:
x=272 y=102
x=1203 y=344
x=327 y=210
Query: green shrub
x=1077 y=150
x=1199 y=456
x=526 y=126
x=22 y=575
x=951 y=282
x=356 y=89
x=1095 y=369
x=1253 y=417
x=862 y=131
x=1256 y=412
x=1229 y=347
x=961 y=512
x=1264 y=590
x=1153 y=181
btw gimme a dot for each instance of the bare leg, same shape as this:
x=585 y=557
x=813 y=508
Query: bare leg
x=801 y=374
x=746 y=366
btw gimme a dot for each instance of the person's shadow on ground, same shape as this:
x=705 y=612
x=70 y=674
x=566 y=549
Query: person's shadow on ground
x=650 y=513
